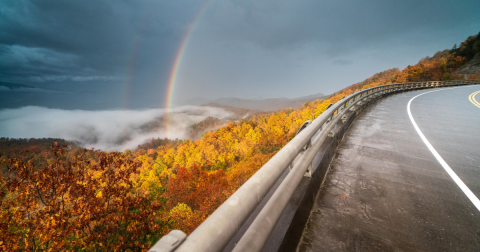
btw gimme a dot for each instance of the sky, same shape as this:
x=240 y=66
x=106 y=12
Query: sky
x=126 y=50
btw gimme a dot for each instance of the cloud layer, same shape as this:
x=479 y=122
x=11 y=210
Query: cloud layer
x=106 y=130
x=248 y=48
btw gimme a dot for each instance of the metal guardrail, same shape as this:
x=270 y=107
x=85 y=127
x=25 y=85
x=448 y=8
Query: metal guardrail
x=217 y=230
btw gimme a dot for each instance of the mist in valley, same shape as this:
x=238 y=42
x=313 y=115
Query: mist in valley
x=110 y=130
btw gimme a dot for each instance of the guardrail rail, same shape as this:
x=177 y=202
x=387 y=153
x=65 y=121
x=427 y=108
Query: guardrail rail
x=219 y=228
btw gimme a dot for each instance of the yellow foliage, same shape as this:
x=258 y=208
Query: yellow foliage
x=181 y=215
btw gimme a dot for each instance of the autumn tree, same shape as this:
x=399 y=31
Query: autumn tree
x=76 y=205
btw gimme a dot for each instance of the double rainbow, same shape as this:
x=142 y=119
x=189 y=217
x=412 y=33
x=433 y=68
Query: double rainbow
x=178 y=61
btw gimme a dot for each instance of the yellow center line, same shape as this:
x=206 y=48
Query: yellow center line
x=472 y=98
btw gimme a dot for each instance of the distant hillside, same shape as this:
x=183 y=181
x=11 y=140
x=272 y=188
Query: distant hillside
x=271 y=104
x=238 y=113
x=470 y=68
x=197 y=130
x=196 y=101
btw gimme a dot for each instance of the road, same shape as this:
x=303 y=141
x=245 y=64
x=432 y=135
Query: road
x=386 y=190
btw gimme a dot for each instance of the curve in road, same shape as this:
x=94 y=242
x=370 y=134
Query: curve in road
x=442 y=162
x=473 y=100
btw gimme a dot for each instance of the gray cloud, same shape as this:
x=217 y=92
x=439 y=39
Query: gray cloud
x=283 y=23
x=30 y=90
x=286 y=48
x=244 y=48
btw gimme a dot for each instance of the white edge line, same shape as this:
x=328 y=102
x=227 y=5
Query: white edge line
x=447 y=168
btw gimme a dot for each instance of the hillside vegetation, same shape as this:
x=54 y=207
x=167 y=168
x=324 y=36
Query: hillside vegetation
x=76 y=199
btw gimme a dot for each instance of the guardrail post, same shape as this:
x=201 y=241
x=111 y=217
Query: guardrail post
x=331 y=133
x=169 y=242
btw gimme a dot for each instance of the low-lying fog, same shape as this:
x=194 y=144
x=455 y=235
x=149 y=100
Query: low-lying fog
x=107 y=129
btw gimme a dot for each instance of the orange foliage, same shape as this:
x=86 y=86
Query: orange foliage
x=201 y=191
x=76 y=205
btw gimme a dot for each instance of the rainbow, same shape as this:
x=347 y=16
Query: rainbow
x=178 y=60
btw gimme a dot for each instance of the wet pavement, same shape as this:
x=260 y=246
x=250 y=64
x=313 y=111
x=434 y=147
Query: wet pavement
x=385 y=191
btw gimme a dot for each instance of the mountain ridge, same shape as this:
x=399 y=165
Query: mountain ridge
x=265 y=104
x=268 y=104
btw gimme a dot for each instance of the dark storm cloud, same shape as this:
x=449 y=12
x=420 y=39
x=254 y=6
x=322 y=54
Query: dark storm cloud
x=56 y=40
x=244 y=48
x=282 y=23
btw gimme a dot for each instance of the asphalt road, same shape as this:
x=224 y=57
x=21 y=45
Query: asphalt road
x=451 y=123
x=386 y=191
